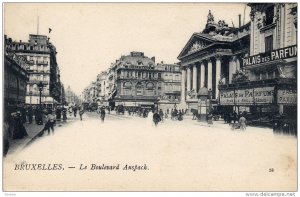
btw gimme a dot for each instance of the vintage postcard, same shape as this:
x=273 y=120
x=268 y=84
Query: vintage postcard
x=150 y=97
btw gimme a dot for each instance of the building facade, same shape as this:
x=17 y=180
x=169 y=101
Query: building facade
x=268 y=85
x=41 y=55
x=15 y=77
x=210 y=58
x=103 y=88
x=136 y=81
x=171 y=86
x=70 y=97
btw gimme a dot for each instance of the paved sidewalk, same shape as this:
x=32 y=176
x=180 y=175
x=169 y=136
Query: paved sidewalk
x=16 y=145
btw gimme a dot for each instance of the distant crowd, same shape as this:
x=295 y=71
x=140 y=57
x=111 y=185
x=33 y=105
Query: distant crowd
x=16 y=116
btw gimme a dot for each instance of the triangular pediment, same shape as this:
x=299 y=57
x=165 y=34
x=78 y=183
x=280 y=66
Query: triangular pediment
x=197 y=42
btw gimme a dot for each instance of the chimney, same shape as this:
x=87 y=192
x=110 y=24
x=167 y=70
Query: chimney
x=162 y=62
x=20 y=41
x=153 y=59
x=240 y=20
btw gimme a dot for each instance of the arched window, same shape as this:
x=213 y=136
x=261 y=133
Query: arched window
x=139 y=89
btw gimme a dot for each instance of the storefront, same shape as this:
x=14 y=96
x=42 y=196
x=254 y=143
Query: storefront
x=269 y=93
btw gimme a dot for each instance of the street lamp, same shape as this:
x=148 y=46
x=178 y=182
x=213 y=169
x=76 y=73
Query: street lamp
x=30 y=94
x=41 y=86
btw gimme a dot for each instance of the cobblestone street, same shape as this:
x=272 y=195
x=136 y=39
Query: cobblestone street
x=214 y=158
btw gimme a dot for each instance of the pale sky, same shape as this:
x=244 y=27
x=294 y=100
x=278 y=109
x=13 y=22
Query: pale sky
x=89 y=36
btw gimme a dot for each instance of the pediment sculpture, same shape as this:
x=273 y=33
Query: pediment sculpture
x=196 y=46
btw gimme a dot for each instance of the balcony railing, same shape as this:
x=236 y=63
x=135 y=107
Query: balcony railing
x=33 y=81
x=41 y=62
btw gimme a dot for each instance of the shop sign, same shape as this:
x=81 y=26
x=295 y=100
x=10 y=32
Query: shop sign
x=130 y=103
x=263 y=95
x=278 y=54
x=287 y=97
x=244 y=96
x=250 y=96
x=227 y=97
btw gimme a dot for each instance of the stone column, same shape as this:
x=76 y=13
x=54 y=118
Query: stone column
x=183 y=77
x=195 y=77
x=209 y=74
x=188 y=82
x=237 y=64
x=202 y=75
x=218 y=74
x=232 y=68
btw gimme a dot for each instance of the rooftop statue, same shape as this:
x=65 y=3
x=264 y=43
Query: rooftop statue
x=210 y=18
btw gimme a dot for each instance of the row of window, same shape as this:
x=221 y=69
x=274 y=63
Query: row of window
x=149 y=75
x=175 y=77
x=139 y=74
x=172 y=68
x=39 y=68
x=37 y=58
x=35 y=89
x=29 y=47
x=39 y=78
x=138 y=92
x=172 y=87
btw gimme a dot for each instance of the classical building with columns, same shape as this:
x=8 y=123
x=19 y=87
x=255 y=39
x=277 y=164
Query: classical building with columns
x=210 y=58
x=267 y=86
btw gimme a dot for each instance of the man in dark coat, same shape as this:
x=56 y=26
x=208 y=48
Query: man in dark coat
x=156 y=118
x=102 y=114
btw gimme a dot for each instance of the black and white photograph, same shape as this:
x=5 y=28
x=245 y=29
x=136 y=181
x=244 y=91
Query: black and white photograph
x=150 y=97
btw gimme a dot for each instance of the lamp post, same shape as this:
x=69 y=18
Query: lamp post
x=30 y=94
x=41 y=86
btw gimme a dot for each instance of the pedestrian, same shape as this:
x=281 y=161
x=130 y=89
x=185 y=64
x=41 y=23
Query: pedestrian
x=19 y=129
x=81 y=111
x=5 y=137
x=175 y=114
x=161 y=114
x=64 y=113
x=58 y=113
x=242 y=122
x=166 y=114
x=102 y=114
x=194 y=114
x=70 y=111
x=235 y=116
x=172 y=114
x=180 y=116
x=144 y=113
x=39 y=116
x=75 y=110
x=156 y=118
x=50 y=121
x=30 y=114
